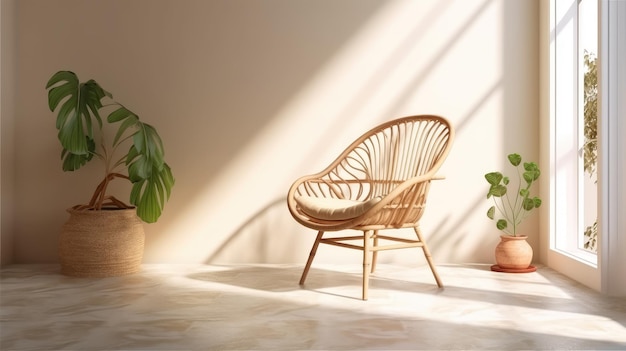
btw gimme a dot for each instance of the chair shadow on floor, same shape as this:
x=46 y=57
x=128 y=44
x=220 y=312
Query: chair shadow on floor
x=410 y=283
x=285 y=278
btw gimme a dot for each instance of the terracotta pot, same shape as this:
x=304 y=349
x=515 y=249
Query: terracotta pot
x=513 y=252
x=102 y=243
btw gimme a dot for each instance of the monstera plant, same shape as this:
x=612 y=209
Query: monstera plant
x=135 y=152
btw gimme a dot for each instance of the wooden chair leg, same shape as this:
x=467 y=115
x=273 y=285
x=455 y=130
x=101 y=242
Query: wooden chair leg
x=311 y=256
x=366 y=262
x=375 y=253
x=428 y=257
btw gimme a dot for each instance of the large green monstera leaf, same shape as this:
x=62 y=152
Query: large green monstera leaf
x=80 y=104
x=78 y=108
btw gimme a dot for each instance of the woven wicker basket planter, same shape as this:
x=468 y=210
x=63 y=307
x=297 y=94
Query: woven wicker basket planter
x=103 y=243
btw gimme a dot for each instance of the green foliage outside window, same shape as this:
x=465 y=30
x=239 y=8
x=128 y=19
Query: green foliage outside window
x=590 y=148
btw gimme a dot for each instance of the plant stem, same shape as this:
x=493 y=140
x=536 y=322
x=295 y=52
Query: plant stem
x=99 y=195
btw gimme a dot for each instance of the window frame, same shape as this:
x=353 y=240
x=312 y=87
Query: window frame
x=612 y=134
x=608 y=276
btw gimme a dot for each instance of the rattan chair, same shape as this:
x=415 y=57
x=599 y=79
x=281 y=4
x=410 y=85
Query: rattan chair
x=379 y=182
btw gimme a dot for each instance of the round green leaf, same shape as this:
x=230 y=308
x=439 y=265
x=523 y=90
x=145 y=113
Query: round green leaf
x=497 y=191
x=493 y=178
x=515 y=159
x=501 y=224
x=491 y=212
x=528 y=204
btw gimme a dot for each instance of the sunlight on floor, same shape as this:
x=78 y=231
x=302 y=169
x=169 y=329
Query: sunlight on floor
x=261 y=307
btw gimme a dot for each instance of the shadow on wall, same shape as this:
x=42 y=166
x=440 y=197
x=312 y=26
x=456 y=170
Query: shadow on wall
x=251 y=97
x=270 y=237
x=211 y=76
x=261 y=238
x=228 y=199
x=375 y=82
x=256 y=72
x=260 y=235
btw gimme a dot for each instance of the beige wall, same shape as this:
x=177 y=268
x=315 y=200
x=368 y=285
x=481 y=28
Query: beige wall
x=7 y=128
x=248 y=95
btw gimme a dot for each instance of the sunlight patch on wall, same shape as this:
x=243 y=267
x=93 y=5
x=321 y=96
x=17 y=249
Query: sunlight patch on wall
x=412 y=57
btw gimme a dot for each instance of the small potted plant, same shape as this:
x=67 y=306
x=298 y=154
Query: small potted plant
x=513 y=253
x=105 y=236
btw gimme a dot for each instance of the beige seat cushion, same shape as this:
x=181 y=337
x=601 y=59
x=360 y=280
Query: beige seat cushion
x=334 y=209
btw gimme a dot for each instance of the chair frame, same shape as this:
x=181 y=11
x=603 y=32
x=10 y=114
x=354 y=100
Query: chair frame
x=403 y=200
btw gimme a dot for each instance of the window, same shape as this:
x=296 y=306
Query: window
x=574 y=143
x=587 y=193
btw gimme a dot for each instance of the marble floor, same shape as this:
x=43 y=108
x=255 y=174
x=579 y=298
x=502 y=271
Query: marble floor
x=261 y=307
